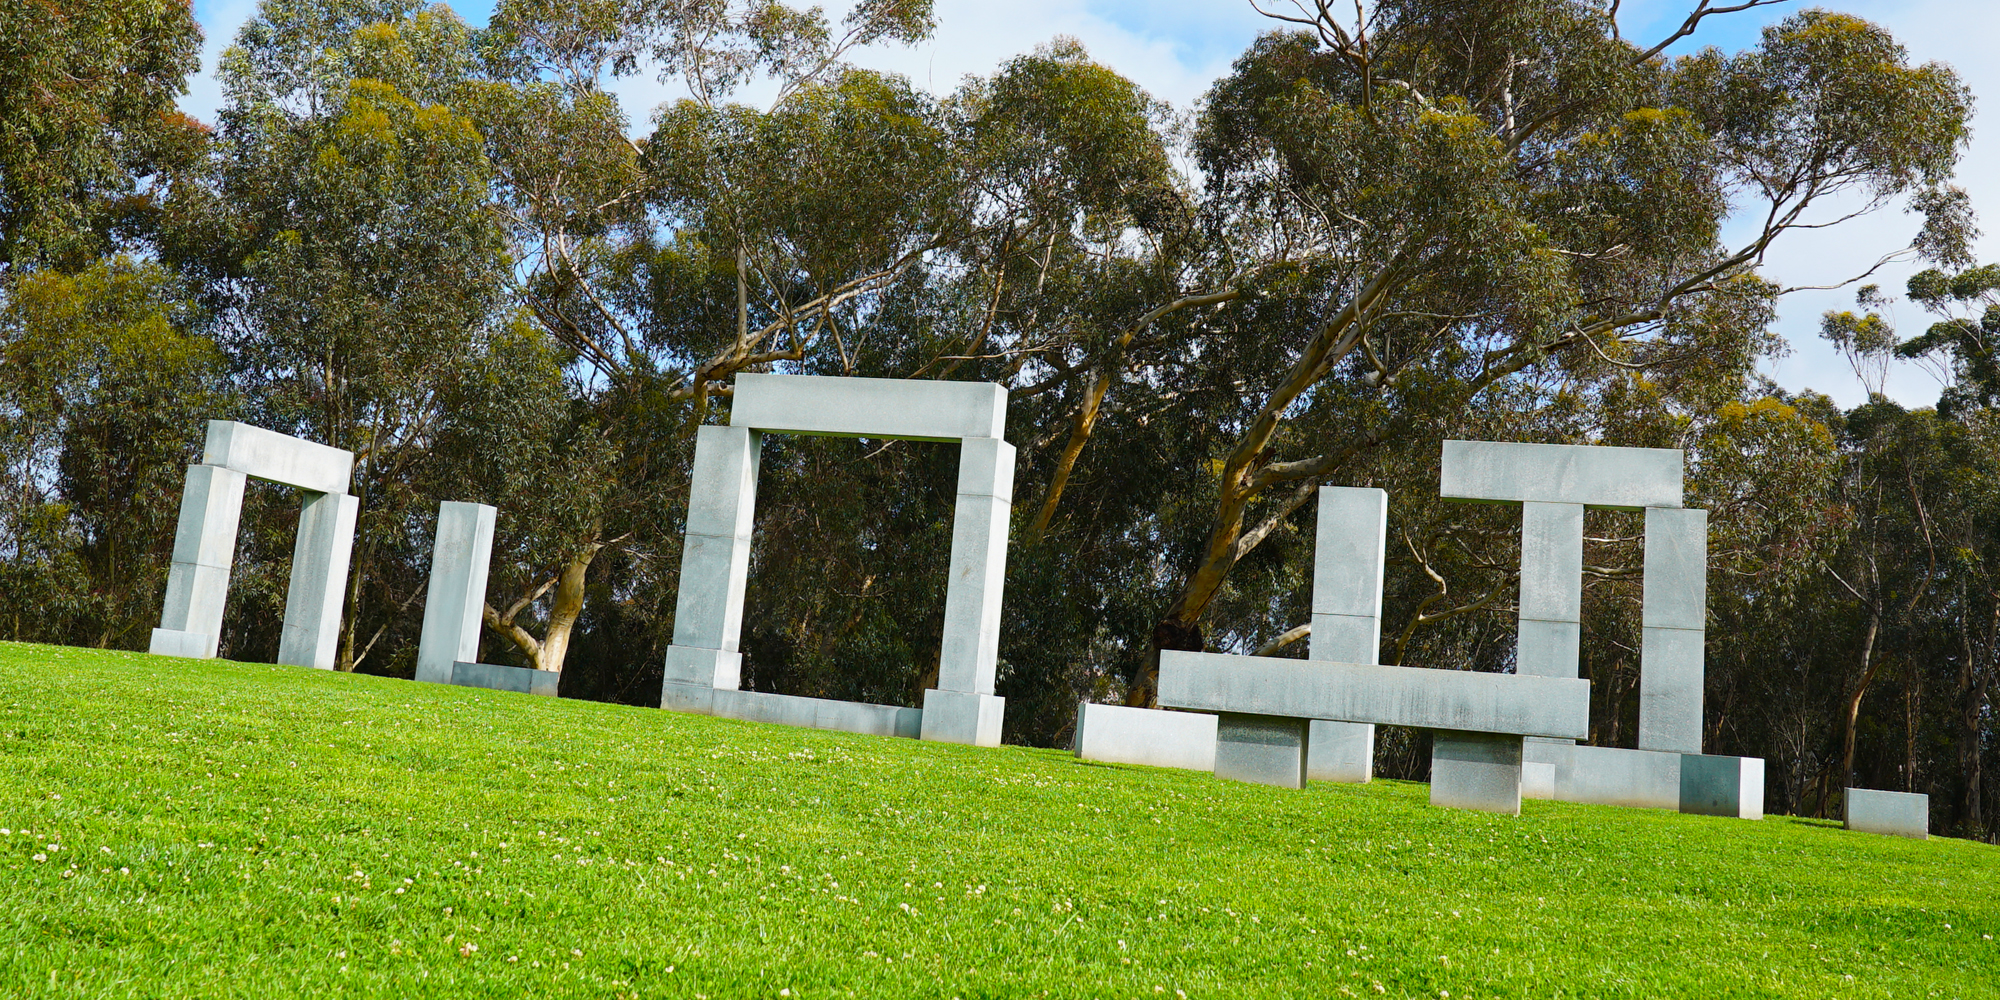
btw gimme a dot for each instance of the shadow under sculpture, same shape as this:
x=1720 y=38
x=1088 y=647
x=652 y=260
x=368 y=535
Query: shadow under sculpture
x=1554 y=485
x=448 y=652
x=704 y=665
x=205 y=543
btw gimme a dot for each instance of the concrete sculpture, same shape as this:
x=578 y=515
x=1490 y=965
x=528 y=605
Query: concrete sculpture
x=1898 y=814
x=205 y=543
x=1346 y=628
x=704 y=665
x=1554 y=484
x=448 y=652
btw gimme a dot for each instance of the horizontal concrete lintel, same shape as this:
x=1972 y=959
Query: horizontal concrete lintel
x=904 y=409
x=1591 y=475
x=1458 y=700
x=280 y=458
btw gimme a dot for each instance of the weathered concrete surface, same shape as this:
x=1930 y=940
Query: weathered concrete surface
x=1675 y=591
x=722 y=484
x=1722 y=786
x=711 y=668
x=907 y=409
x=320 y=554
x=1261 y=749
x=280 y=458
x=1393 y=696
x=193 y=645
x=1118 y=734
x=204 y=552
x=1340 y=751
x=986 y=469
x=1541 y=759
x=1595 y=476
x=460 y=555
x=1551 y=605
x=1614 y=776
x=494 y=677
x=1547 y=649
x=965 y=717
x=1898 y=814
x=1476 y=771
x=1670 y=689
x=971 y=640
x=819 y=713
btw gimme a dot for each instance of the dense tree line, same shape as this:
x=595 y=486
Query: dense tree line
x=449 y=251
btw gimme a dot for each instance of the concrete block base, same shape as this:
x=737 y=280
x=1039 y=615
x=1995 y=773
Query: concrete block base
x=1340 y=751
x=680 y=696
x=1122 y=735
x=819 y=713
x=1898 y=814
x=1614 y=776
x=1476 y=771
x=1262 y=749
x=1541 y=759
x=714 y=668
x=494 y=677
x=1722 y=786
x=193 y=645
x=962 y=717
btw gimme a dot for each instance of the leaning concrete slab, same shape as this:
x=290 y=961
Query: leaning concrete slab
x=1615 y=478
x=205 y=542
x=1150 y=736
x=1722 y=786
x=494 y=677
x=1476 y=771
x=461 y=551
x=906 y=409
x=1898 y=814
x=1396 y=696
x=1261 y=749
x=280 y=458
x=704 y=665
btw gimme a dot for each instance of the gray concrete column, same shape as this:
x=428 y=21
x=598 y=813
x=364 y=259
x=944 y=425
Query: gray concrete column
x=1348 y=555
x=204 y=552
x=1476 y=771
x=1674 y=620
x=320 y=556
x=454 y=603
x=963 y=707
x=715 y=568
x=1264 y=749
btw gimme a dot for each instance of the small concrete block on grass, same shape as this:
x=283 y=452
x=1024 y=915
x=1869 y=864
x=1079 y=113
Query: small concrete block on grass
x=494 y=677
x=1615 y=776
x=1150 y=736
x=1476 y=771
x=1899 y=814
x=962 y=717
x=1262 y=749
x=1722 y=786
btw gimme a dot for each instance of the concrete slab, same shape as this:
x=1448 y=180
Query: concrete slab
x=1538 y=780
x=722 y=486
x=819 y=713
x=1547 y=649
x=1150 y=736
x=461 y=552
x=196 y=596
x=986 y=469
x=907 y=409
x=970 y=649
x=1340 y=751
x=320 y=554
x=963 y=717
x=1615 y=776
x=708 y=610
x=1722 y=786
x=1898 y=814
x=710 y=668
x=494 y=677
x=1345 y=639
x=1541 y=759
x=280 y=458
x=1395 y=696
x=1476 y=771
x=193 y=645
x=211 y=506
x=1675 y=593
x=1348 y=549
x=1670 y=689
x=1595 y=476
x=1552 y=563
x=1261 y=749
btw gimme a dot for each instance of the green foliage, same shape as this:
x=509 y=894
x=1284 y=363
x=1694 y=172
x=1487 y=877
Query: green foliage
x=391 y=837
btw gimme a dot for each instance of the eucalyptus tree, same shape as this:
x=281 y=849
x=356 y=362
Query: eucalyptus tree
x=1482 y=206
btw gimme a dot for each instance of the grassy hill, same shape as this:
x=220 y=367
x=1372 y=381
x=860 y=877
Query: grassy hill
x=171 y=828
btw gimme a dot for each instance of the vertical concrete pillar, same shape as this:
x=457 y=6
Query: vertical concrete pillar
x=1263 y=749
x=715 y=568
x=1551 y=621
x=1348 y=555
x=320 y=556
x=1476 y=771
x=963 y=707
x=204 y=552
x=453 y=605
x=1674 y=620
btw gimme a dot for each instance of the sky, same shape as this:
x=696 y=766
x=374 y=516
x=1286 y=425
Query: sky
x=1176 y=48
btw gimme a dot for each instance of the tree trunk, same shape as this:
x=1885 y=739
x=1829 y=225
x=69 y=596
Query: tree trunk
x=1852 y=711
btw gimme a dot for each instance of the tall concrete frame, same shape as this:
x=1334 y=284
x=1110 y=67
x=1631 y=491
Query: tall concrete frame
x=205 y=543
x=704 y=665
x=448 y=652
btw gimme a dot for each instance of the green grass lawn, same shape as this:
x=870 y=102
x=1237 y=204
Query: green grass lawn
x=173 y=828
